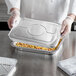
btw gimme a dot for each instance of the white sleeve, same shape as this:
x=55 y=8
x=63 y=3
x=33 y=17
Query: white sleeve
x=72 y=7
x=12 y=4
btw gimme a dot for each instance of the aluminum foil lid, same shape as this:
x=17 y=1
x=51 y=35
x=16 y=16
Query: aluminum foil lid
x=35 y=32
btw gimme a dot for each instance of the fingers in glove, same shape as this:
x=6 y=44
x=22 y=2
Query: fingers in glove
x=9 y=24
x=65 y=32
x=16 y=21
x=63 y=27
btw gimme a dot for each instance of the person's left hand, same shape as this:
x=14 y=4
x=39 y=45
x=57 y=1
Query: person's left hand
x=66 y=26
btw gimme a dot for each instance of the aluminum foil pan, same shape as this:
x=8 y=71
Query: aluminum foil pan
x=36 y=32
x=42 y=50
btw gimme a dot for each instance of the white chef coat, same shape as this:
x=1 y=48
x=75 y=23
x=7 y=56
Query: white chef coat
x=48 y=10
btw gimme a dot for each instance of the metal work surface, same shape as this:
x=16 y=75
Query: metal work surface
x=33 y=64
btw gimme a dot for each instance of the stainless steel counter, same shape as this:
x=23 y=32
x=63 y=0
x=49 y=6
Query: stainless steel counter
x=32 y=64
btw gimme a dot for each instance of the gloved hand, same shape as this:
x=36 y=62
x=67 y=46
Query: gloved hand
x=14 y=19
x=66 y=26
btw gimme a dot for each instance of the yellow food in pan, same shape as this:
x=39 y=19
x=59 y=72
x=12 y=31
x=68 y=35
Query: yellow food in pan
x=18 y=44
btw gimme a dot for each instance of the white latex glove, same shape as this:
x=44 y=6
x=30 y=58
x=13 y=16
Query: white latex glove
x=66 y=26
x=14 y=19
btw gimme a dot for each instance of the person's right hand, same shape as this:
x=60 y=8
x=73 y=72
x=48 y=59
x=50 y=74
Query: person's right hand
x=14 y=19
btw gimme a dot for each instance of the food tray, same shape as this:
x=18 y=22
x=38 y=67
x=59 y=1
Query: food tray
x=36 y=33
